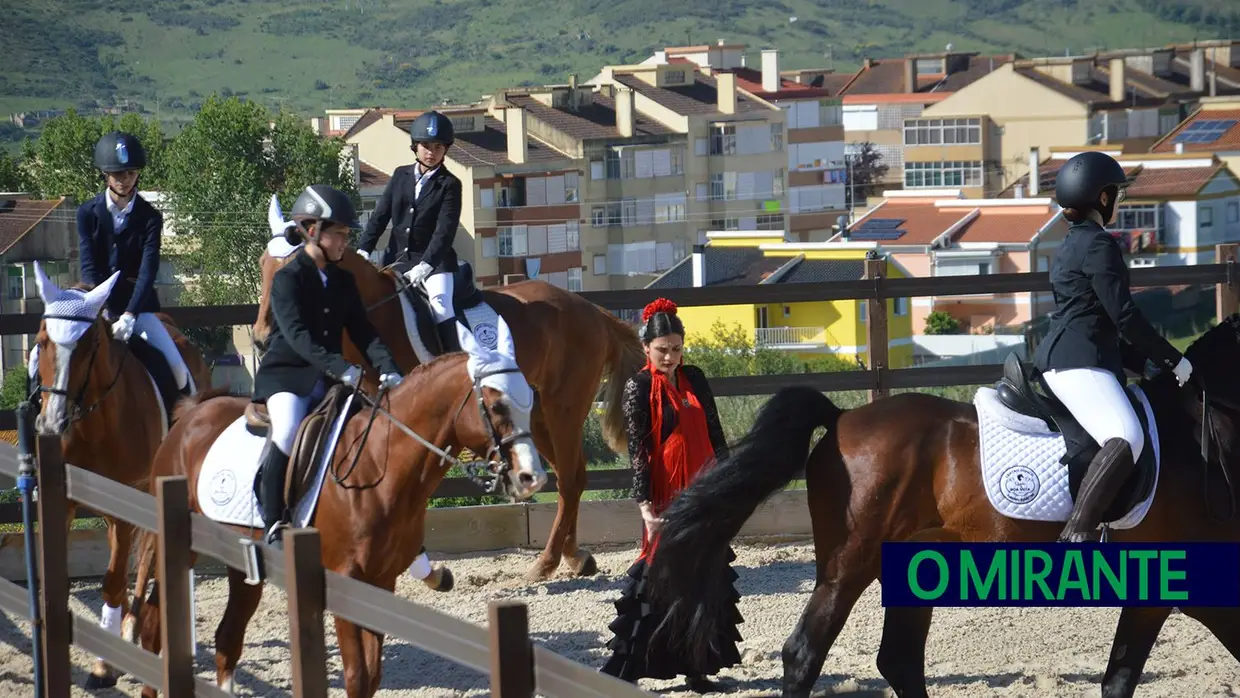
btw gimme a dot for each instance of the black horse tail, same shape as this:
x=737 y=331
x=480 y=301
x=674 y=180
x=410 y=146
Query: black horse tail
x=693 y=542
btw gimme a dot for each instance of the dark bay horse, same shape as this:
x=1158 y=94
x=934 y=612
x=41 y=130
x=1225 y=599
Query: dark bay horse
x=371 y=513
x=565 y=346
x=107 y=411
x=907 y=468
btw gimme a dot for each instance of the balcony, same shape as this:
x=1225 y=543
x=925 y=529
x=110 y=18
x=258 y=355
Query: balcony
x=779 y=337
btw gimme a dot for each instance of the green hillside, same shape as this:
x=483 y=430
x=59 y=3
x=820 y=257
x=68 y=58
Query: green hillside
x=166 y=55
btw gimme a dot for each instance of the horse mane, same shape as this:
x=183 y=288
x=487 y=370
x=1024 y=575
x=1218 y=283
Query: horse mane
x=186 y=404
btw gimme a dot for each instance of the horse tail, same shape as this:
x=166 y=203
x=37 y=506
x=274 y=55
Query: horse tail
x=625 y=359
x=693 y=542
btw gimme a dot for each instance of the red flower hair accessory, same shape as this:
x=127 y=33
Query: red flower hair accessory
x=658 y=305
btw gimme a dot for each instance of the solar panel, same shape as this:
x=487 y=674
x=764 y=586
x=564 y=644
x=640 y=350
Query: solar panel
x=1204 y=131
x=876 y=234
x=882 y=223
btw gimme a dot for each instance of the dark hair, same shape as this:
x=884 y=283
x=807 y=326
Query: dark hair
x=661 y=324
x=1075 y=215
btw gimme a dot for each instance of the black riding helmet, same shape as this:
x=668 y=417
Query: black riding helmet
x=319 y=202
x=432 y=127
x=119 y=151
x=1082 y=179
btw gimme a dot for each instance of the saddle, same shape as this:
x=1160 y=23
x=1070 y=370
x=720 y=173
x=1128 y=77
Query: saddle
x=311 y=437
x=156 y=364
x=465 y=295
x=1017 y=392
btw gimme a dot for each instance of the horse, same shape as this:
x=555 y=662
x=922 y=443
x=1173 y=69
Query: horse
x=372 y=518
x=908 y=468
x=565 y=346
x=110 y=420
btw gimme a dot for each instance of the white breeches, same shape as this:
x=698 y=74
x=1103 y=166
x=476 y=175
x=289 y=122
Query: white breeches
x=439 y=288
x=286 y=411
x=148 y=326
x=1100 y=404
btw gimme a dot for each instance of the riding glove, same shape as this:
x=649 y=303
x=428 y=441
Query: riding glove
x=419 y=273
x=122 y=329
x=375 y=258
x=389 y=380
x=1182 y=371
x=352 y=376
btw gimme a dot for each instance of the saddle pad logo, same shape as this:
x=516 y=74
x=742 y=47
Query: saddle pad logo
x=223 y=487
x=487 y=335
x=1019 y=484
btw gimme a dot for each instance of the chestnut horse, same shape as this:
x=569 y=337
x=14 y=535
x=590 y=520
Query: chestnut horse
x=108 y=413
x=565 y=346
x=907 y=468
x=371 y=512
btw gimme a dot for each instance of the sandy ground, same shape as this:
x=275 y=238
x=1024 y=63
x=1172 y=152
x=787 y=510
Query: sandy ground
x=972 y=652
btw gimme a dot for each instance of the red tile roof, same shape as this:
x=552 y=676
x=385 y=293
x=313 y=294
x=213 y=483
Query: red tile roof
x=751 y=80
x=1003 y=224
x=886 y=76
x=924 y=221
x=489 y=147
x=1229 y=140
x=372 y=176
x=1146 y=182
x=20 y=216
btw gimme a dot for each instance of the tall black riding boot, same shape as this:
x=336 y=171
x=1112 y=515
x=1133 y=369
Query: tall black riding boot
x=271 y=492
x=1107 y=473
x=448 y=339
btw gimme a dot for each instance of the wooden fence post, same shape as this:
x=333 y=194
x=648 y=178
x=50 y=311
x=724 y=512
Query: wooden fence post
x=176 y=619
x=1227 y=294
x=54 y=566
x=512 y=655
x=306 y=590
x=876 y=334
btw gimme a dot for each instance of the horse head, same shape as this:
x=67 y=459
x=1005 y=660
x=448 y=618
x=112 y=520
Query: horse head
x=277 y=253
x=71 y=317
x=506 y=401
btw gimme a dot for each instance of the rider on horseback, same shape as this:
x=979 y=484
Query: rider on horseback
x=1095 y=331
x=313 y=301
x=423 y=202
x=120 y=230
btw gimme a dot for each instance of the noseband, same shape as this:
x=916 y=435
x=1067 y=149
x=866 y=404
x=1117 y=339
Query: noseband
x=78 y=413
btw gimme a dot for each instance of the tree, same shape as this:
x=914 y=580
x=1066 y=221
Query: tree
x=940 y=322
x=62 y=161
x=864 y=173
x=14 y=388
x=11 y=176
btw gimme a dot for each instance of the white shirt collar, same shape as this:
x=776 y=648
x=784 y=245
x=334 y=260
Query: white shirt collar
x=417 y=170
x=116 y=209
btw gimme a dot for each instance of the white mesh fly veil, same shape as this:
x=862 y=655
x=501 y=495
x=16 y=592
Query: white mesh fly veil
x=277 y=246
x=61 y=307
x=504 y=356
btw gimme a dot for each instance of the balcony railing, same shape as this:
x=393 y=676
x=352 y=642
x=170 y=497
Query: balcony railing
x=775 y=336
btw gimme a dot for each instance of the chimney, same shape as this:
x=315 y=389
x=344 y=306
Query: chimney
x=725 y=86
x=624 y=112
x=699 y=266
x=1035 y=170
x=1117 y=80
x=842 y=221
x=1197 y=70
x=910 y=75
x=518 y=141
x=867 y=62
x=1019 y=191
x=770 y=70
x=572 y=82
x=1179 y=148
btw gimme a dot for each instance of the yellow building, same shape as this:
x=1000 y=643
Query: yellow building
x=807 y=329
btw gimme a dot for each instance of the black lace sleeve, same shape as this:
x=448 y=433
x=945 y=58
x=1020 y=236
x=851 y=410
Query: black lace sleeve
x=701 y=386
x=637 y=418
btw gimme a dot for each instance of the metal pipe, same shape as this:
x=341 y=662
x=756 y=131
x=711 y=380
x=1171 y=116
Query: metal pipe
x=26 y=483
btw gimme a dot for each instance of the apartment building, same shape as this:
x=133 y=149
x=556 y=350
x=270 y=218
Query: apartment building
x=31 y=230
x=815 y=135
x=1126 y=98
x=735 y=175
x=1178 y=206
x=1213 y=129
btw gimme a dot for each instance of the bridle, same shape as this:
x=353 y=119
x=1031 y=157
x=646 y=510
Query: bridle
x=77 y=412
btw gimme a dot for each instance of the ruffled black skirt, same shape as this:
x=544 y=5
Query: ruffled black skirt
x=635 y=656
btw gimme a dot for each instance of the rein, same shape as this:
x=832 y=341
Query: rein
x=1210 y=433
x=79 y=413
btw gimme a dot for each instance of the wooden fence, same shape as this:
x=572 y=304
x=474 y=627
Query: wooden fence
x=518 y=667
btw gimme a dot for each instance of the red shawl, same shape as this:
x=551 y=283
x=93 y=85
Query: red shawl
x=674 y=462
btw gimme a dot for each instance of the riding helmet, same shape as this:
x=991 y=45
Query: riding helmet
x=119 y=151
x=432 y=127
x=323 y=203
x=1083 y=177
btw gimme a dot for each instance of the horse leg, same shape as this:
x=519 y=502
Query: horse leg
x=149 y=633
x=569 y=465
x=1135 y=634
x=902 y=652
x=821 y=622
x=349 y=640
x=372 y=649
x=115 y=598
x=243 y=601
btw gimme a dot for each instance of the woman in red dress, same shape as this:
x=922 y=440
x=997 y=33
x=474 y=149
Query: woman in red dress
x=674 y=432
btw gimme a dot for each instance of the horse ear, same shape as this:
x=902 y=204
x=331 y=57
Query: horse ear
x=99 y=294
x=468 y=343
x=503 y=342
x=275 y=217
x=48 y=290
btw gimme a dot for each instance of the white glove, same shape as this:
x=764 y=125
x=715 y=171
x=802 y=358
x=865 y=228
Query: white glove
x=1182 y=371
x=389 y=380
x=416 y=275
x=352 y=376
x=122 y=329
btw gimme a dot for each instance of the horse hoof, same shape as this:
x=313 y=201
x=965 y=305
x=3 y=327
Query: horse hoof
x=587 y=567
x=97 y=683
x=539 y=572
x=446 y=582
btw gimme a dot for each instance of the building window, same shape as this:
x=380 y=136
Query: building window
x=1233 y=212
x=773 y=221
x=777 y=136
x=600 y=265
x=574 y=279
x=513 y=241
x=830 y=113
x=723 y=224
x=723 y=186
x=678 y=160
x=489 y=248
x=929 y=66
x=573 y=235
x=15 y=289
x=1206 y=217
x=942 y=174
x=674 y=77
x=723 y=139
x=669 y=208
x=942 y=131
x=571 y=180
x=899 y=306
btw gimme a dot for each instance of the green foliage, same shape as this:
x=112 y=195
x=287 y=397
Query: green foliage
x=941 y=322
x=730 y=351
x=61 y=162
x=14 y=388
x=11 y=176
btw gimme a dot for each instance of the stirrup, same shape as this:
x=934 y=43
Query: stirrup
x=253 y=562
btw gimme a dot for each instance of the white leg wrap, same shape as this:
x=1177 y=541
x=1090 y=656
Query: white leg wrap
x=421 y=567
x=110 y=620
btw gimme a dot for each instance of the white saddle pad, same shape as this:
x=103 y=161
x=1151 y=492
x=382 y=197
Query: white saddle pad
x=483 y=320
x=226 y=481
x=1020 y=463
